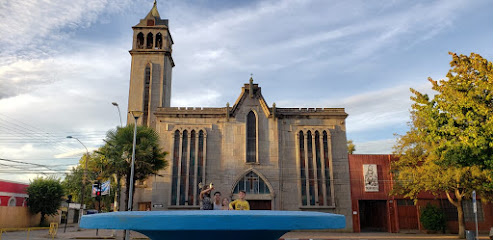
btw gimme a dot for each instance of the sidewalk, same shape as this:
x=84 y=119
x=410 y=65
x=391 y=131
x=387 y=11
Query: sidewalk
x=369 y=236
x=90 y=234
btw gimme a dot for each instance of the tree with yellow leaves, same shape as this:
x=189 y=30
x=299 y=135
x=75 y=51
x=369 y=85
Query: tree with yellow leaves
x=449 y=147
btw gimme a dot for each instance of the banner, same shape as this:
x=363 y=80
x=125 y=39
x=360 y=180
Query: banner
x=105 y=188
x=371 y=177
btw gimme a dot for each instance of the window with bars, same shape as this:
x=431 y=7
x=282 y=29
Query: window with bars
x=467 y=207
x=314 y=153
x=251 y=148
x=188 y=167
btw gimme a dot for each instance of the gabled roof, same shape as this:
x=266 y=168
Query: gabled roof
x=256 y=93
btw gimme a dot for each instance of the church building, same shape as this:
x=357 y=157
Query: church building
x=284 y=158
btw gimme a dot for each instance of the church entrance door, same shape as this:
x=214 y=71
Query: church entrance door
x=260 y=204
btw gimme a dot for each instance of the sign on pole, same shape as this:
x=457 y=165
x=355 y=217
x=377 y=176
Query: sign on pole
x=105 y=189
x=475 y=209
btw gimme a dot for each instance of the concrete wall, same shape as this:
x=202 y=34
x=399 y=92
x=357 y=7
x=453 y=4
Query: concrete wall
x=19 y=217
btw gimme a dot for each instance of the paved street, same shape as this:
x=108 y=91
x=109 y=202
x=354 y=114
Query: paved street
x=71 y=233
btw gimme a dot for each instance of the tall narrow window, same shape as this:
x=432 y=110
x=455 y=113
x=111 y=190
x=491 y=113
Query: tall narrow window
x=302 y=169
x=315 y=172
x=183 y=172
x=327 y=168
x=251 y=154
x=159 y=41
x=147 y=83
x=189 y=158
x=319 y=170
x=191 y=169
x=176 y=158
x=200 y=163
x=140 y=41
x=311 y=176
x=150 y=41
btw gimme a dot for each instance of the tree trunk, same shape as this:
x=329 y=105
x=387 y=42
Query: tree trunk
x=460 y=215
x=42 y=219
x=117 y=193
x=460 y=212
x=127 y=190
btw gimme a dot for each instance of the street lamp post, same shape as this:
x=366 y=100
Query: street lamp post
x=136 y=115
x=119 y=113
x=81 y=210
x=115 y=203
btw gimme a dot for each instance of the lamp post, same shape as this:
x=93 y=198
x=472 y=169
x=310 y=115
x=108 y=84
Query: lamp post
x=115 y=203
x=119 y=113
x=81 y=210
x=136 y=115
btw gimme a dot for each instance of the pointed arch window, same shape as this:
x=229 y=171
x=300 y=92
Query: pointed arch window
x=159 y=41
x=251 y=183
x=140 y=41
x=251 y=148
x=150 y=41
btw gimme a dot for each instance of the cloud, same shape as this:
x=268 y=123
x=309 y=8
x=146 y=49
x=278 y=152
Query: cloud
x=30 y=23
x=383 y=146
x=22 y=76
x=62 y=63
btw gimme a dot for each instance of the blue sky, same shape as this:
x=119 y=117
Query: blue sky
x=62 y=63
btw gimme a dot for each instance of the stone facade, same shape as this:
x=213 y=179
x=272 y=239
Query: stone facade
x=285 y=158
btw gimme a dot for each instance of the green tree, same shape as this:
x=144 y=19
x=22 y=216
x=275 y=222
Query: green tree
x=72 y=183
x=95 y=172
x=149 y=158
x=449 y=146
x=45 y=196
x=351 y=148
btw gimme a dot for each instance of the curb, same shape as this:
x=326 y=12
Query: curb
x=92 y=238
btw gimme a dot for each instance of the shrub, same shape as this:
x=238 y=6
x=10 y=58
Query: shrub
x=433 y=218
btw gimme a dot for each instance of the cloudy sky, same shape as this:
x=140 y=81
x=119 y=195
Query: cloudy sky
x=63 y=62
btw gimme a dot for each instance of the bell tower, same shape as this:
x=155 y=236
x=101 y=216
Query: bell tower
x=150 y=75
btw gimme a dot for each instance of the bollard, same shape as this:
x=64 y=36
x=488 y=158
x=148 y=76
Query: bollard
x=53 y=229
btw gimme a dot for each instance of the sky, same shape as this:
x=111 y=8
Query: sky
x=63 y=63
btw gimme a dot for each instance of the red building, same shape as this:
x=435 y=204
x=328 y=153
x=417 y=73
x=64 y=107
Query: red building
x=374 y=209
x=13 y=193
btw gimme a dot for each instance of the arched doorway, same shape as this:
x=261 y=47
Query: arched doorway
x=259 y=192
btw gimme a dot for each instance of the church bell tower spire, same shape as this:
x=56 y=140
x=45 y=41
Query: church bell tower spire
x=152 y=63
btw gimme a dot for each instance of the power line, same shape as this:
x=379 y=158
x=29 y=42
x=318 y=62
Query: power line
x=24 y=133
